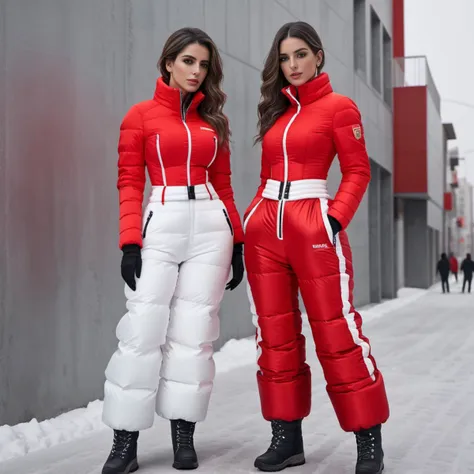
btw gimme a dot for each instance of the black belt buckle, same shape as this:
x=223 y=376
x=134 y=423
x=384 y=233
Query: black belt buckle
x=284 y=190
x=280 y=191
x=191 y=192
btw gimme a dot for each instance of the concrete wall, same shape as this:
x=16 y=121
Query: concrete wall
x=4 y=329
x=399 y=234
x=432 y=257
x=434 y=215
x=68 y=72
x=384 y=12
x=417 y=244
x=387 y=237
x=378 y=123
x=381 y=235
x=375 y=234
x=434 y=247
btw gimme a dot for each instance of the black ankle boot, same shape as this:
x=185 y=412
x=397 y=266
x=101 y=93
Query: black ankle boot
x=183 y=444
x=369 y=451
x=286 y=448
x=123 y=456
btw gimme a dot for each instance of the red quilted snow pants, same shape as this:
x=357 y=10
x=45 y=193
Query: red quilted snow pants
x=289 y=245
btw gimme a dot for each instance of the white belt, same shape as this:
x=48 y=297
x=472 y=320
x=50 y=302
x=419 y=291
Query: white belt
x=182 y=193
x=296 y=190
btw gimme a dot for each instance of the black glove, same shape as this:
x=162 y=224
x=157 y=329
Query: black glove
x=237 y=268
x=335 y=226
x=131 y=264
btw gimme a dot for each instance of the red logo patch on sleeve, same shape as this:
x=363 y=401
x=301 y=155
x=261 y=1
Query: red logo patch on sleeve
x=357 y=131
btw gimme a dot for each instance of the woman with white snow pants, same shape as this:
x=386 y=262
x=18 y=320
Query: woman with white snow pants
x=180 y=249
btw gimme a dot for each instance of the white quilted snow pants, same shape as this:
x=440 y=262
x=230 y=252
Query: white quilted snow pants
x=164 y=360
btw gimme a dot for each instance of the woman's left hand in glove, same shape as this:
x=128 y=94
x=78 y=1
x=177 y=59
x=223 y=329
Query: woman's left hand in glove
x=237 y=268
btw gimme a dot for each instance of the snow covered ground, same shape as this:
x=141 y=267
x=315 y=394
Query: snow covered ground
x=423 y=342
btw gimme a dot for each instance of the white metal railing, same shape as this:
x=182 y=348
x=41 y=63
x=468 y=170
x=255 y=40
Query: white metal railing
x=414 y=71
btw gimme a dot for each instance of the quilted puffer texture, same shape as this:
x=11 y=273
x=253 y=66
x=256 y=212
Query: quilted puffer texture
x=164 y=357
x=290 y=246
x=178 y=148
x=327 y=124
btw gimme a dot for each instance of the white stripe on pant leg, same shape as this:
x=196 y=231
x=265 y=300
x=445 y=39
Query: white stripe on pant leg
x=253 y=311
x=345 y=295
x=346 y=310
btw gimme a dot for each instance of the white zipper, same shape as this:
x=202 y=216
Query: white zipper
x=213 y=158
x=215 y=152
x=160 y=158
x=188 y=162
x=281 y=207
x=279 y=222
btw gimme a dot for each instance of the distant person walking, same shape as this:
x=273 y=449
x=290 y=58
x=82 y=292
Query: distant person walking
x=443 y=269
x=467 y=267
x=454 y=265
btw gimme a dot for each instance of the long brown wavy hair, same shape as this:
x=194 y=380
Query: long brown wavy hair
x=273 y=103
x=211 y=107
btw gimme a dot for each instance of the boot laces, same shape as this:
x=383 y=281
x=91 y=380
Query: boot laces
x=122 y=442
x=365 y=446
x=184 y=434
x=278 y=435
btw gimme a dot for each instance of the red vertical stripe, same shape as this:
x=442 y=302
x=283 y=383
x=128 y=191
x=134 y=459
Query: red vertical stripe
x=398 y=28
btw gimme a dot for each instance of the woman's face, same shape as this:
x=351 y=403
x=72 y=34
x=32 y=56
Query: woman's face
x=298 y=62
x=190 y=68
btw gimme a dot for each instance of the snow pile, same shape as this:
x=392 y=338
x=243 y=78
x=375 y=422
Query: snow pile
x=236 y=353
x=18 y=440
x=23 y=438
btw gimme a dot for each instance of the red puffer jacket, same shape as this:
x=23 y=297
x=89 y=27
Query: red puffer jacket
x=176 y=151
x=453 y=265
x=303 y=142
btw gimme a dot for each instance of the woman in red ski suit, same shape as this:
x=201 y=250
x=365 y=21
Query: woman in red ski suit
x=295 y=238
x=177 y=254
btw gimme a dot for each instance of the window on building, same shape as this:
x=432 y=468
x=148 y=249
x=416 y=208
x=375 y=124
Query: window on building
x=360 y=55
x=387 y=68
x=376 y=47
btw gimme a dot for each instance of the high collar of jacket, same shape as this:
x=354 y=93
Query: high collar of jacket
x=173 y=98
x=310 y=91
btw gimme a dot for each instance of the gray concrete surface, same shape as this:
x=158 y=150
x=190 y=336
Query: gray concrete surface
x=375 y=222
x=387 y=237
x=69 y=70
x=418 y=245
